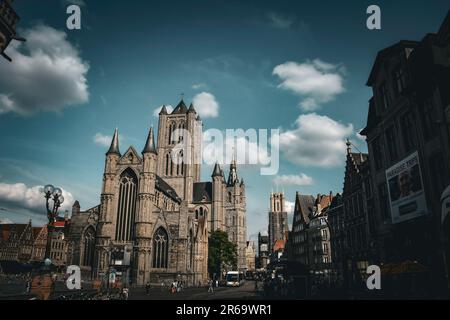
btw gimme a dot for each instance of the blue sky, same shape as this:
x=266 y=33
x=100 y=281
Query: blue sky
x=66 y=91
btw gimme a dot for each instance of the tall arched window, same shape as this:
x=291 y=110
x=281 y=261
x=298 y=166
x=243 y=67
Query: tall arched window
x=180 y=169
x=171 y=130
x=126 y=208
x=200 y=213
x=89 y=246
x=167 y=164
x=160 y=249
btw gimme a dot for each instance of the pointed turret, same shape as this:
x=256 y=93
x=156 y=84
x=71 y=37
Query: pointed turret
x=163 y=110
x=217 y=172
x=242 y=182
x=349 y=146
x=191 y=109
x=114 y=148
x=150 y=144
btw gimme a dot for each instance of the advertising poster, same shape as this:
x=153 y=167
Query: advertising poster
x=406 y=194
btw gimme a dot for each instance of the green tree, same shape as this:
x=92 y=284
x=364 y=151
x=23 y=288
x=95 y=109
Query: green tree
x=221 y=252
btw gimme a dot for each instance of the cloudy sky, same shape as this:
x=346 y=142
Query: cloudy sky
x=287 y=65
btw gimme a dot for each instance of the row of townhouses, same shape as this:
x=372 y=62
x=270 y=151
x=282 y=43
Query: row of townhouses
x=392 y=209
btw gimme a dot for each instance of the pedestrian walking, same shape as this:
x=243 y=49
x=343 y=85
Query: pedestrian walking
x=174 y=287
x=28 y=286
x=125 y=293
x=210 y=286
x=147 y=288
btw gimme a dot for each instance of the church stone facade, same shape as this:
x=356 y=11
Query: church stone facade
x=157 y=214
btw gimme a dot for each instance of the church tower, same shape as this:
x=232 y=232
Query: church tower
x=179 y=168
x=236 y=213
x=278 y=223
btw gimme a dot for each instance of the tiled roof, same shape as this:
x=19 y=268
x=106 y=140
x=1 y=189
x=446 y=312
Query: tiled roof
x=5 y=230
x=180 y=108
x=279 y=245
x=165 y=188
x=306 y=203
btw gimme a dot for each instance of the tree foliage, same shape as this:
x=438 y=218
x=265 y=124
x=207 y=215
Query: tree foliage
x=221 y=252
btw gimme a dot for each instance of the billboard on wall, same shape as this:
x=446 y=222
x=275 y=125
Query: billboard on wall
x=405 y=186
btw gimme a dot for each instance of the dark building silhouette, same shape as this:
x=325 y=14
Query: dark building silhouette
x=408 y=132
x=8 y=23
x=263 y=251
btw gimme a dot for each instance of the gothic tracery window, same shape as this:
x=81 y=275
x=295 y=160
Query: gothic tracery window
x=126 y=208
x=160 y=249
x=89 y=246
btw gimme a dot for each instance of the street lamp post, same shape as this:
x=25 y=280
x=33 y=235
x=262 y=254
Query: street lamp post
x=54 y=200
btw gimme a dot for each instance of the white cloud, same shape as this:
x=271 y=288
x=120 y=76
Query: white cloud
x=359 y=136
x=280 y=21
x=20 y=196
x=156 y=111
x=316 y=81
x=315 y=141
x=222 y=151
x=46 y=74
x=206 y=105
x=197 y=86
x=102 y=140
x=289 y=206
x=293 y=180
x=5 y=221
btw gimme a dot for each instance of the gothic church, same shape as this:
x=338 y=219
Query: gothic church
x=160 y=213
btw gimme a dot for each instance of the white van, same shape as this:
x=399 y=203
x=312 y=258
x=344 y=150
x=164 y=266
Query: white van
x=233 y=279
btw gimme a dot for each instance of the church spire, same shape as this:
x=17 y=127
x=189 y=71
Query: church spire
x=191 y=109
x=114 y=148
x=232 y=177
x=150 y=144
x=180 y=108
x=217 y=172
x=163 y=110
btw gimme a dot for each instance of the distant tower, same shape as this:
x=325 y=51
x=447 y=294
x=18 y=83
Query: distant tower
x=278 y=222
x=236 y=212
